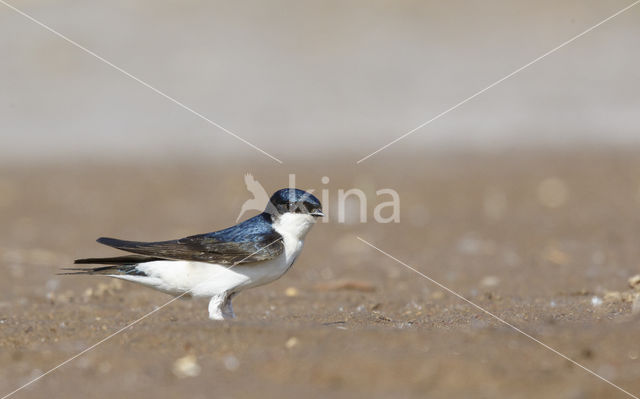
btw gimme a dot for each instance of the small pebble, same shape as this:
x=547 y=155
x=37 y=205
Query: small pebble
x=556 y=256
x=291 y=292
x=186 y=366
x=292 y=343
x=437 y=295
x=490 y=281
x=634 y=282
x=596 y=301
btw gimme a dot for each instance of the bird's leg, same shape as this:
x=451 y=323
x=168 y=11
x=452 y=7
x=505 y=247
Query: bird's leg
x=215 y=306
x=227 y=309
x=220 y=307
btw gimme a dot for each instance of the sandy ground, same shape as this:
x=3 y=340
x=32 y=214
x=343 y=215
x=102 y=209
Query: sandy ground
x=546 y=240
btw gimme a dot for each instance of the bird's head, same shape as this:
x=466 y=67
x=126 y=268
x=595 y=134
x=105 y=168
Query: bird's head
x=293 y=200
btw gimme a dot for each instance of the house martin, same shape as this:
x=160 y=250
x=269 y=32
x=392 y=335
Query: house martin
x=220 y=264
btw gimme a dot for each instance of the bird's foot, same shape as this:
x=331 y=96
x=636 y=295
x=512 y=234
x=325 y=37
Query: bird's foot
x=227 y=309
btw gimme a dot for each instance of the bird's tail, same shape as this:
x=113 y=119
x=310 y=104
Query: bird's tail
x=115 y=265
x=117 y=269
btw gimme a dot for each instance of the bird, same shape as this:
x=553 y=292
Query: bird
x=220 y=264
x=260 y=196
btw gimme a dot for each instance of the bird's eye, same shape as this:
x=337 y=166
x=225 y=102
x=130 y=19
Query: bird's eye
x=301 y=207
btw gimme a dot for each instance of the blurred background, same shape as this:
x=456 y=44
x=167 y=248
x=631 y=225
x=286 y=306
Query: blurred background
x=525 y=200
x=312 y=79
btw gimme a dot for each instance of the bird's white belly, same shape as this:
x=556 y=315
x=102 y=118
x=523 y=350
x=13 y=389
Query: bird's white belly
x=208 y=279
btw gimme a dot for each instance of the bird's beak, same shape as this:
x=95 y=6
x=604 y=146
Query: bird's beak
x=317 y=214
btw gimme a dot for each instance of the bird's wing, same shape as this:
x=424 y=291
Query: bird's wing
x=204 y=249
x=243 y=243
x=117 y=260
